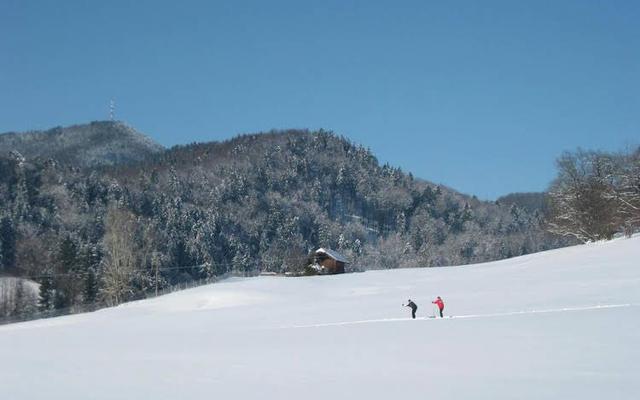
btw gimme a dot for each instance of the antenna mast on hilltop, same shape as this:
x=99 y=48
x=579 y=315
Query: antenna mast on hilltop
x=112 y=109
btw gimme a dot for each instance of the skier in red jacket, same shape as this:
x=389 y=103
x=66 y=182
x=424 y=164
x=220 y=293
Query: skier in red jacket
x=440 y=305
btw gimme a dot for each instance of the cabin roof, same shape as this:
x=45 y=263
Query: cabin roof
x=333 y=254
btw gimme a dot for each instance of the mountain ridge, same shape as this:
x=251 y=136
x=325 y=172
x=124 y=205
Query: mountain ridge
x=254 y=203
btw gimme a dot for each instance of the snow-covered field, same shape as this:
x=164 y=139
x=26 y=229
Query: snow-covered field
x=563 y=324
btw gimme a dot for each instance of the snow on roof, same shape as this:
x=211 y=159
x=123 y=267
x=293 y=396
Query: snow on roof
x=333 y=254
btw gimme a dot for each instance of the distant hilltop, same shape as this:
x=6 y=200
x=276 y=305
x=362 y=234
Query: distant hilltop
x=99 y=143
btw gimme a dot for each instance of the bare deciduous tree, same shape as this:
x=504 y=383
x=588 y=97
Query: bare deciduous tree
x=120 y=257
x=595 y=195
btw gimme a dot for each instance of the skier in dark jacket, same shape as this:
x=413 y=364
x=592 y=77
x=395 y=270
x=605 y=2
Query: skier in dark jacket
x=414 y=307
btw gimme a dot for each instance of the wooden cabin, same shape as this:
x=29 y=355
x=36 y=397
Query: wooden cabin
x=330 y=261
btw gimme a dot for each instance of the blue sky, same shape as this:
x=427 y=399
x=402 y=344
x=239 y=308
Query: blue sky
x=479 y=95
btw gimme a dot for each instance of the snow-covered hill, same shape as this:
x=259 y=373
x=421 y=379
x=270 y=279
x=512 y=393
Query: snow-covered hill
x=98 y=143
x=563 y=324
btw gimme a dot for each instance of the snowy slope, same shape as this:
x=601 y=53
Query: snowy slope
x=563 y=324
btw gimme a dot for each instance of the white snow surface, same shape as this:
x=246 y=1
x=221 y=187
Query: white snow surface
x=563 y=324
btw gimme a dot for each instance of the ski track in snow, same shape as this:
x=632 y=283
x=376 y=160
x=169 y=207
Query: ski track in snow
x=469 y=316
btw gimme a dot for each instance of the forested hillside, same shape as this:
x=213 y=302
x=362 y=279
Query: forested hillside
x=255 y=203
